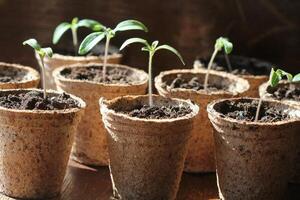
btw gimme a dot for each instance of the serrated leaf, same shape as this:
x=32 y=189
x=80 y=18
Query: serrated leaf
x=33 y=43
x=92 y=24
x=296 y=78
x=90 y=41
x=130 y=25
x=48 y=51
x=169 y=48
x=222 y=42
x=134 y=40
x=59 y=31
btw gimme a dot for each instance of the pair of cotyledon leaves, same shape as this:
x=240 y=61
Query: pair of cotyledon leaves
x=47 y=51
x=277 y=75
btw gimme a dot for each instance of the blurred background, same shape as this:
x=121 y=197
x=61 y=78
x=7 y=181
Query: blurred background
x=265 y=29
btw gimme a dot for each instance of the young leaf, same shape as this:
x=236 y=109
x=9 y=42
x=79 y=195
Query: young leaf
x=48 y=51
x=134 y=40
x=167 y=47
x=282 y=73
x=296 y=78
x=224 y=43
x=92 y=24
x=274 y=78
x=90 y=41
x=33 y=43
x=59 y=31
x=130 y=25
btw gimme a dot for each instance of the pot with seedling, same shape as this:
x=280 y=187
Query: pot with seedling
x=67 y=56
x=147 y=138
x=37 y=129
x=255 y=145
x=287 y=91
x=93 y=81
x=254 y=70
x=201 y=86
x=14 y=76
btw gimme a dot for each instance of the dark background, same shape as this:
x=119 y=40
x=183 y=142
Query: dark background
x=266 y=29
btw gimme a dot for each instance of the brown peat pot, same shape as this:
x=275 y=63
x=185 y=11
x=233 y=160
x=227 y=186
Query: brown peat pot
x=59 y=60
x=15 y=76
x=200 y=156
x=35 y=147
x=285 y=92
x=146 y=155
x=254 y=159
x=90 y=145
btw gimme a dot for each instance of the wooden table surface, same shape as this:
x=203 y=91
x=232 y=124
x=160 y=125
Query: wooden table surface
x=86 y=183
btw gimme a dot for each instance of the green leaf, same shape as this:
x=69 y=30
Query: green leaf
x=135 y=40
x=222 y=42
x=48 y=51
x=33 y=43
x=130 y=25
x=154 y=44
x=296 y=78
x=74 y=21
x=90 y=41
x=92 y=24
x=169 y=48
x=59 y=31
x=274 y=78
x=282 y=73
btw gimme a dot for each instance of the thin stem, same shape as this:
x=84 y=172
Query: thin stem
x=105 y=57
x=43 y=76
x=150 y=78
x=75 y=40
x=209 y=67
x=228 y=62
x=258 y=109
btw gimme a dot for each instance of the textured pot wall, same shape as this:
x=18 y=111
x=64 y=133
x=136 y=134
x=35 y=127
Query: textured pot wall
x=263 y=28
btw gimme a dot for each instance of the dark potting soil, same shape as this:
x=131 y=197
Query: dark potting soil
x=33 y=100
x=194 y=83
x=159 y=112
x=95 y=74
x=240 y=65
x=246 y=110
x=289 y=92
x=10 y=74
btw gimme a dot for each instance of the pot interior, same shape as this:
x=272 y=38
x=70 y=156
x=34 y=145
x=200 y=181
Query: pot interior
x=9 y=73
x=223 y=83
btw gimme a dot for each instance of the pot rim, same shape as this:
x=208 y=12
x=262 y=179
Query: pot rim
x=56 y=74
x=104 y=109
x=217 y=115
x=158 y=81
x=35 y=76
x=58 y=56
x=82 y=104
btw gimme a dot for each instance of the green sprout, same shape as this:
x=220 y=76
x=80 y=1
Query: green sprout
x=221 y=43
x=74 y=25
x=274 y=78
x=42 y=52
x=105 y=32
x=152 y=49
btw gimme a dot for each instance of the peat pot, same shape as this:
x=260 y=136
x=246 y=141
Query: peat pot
x=90 y=145
x=200 y=156
x=146 y=155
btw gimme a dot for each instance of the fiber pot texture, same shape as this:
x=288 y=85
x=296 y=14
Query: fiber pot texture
x=254 y=159
x=90 y=145
x=200 y=156
x=31 y=77
x=263 y=92
x=146 y=155
x=59 y=60
x=35 y=147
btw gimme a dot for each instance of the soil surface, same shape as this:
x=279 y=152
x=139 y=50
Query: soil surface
x=288 y=92
x=246 y=110
x=159 y=112
x=240 y=65
x=194 y=83
x=95 y=74
x=33 y=100
x=10 y=74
